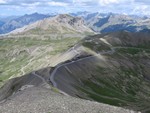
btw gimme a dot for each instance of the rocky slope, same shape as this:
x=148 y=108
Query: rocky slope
x=107 y=68
x=116 y=73
x=111 y=22
x=33 y=93
x=59 y=24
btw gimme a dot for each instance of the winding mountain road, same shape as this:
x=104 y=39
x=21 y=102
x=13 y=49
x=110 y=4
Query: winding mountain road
x=34 y=73
x=52 y=76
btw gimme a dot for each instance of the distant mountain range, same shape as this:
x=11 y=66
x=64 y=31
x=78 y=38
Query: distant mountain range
x=98 y=22
x=111 y=22
x=9 y=24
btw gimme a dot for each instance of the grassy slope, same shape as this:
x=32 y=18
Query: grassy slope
x=30 y=53
x=34 y=49
x=118 y=78
x=120 y=86
x=124 y=85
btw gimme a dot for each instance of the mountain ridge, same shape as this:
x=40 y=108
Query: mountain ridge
x=59 y=24
x=21 y=21
x=112 y=22
x=99 y=22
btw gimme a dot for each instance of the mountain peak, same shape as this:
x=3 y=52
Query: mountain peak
x=33 y=14
x=64 y=15
x=68 y=19
x=60 y=24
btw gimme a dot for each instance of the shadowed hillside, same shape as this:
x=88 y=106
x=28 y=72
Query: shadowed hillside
x=117 y=73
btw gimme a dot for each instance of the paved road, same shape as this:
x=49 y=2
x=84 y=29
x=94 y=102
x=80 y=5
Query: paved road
x=34 y=73
x=61 y=65
x=52 y=76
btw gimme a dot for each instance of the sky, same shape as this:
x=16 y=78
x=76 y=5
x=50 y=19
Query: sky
x=21 y=7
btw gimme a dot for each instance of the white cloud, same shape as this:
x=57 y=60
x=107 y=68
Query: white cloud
x=117 y=6
x=62 y=4
x=112 y=2
x=31 y=5
x=83 y=1
x=141 y=9
x=2 y=1
x=78 y=2
x=107 y=2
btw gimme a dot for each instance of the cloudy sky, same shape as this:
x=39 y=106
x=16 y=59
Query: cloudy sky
x=20 y=7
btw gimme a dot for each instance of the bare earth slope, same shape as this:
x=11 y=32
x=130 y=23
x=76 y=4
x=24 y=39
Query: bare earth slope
x=33 y=94
x=116 y=73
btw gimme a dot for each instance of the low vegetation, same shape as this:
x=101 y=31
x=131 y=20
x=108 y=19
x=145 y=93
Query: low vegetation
x=24 y=54
x=118 y=75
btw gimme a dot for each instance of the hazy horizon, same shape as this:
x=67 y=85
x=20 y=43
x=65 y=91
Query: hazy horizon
x=21 y=7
